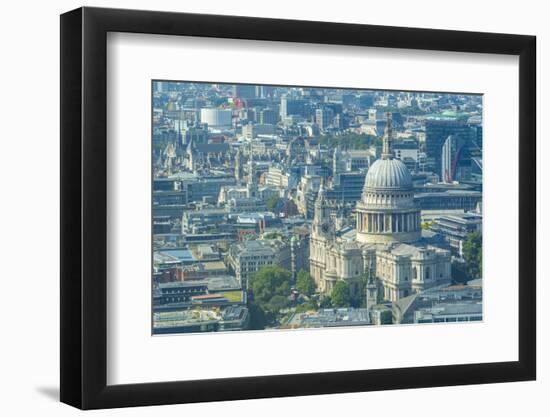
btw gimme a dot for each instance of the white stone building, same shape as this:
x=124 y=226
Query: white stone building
x=387 y=239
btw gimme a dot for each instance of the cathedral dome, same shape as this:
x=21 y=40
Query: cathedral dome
x=388 y=174
x=387 y=211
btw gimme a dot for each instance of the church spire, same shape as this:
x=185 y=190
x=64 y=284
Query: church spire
x=251 y=183
x=321 y=194
x=321 y=211
x=251 y=172
x=387 y=151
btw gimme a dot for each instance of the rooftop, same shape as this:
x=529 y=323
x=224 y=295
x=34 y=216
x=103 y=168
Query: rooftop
x=173 y=255
x=331 y=318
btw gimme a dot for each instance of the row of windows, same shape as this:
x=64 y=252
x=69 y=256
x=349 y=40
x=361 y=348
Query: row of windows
x=451 y=319
x=182 y=291
x=375 y=195
x=386 y=270
x=166 y=300
x=254 y=257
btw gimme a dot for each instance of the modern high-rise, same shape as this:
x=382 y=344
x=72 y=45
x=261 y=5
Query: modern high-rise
x=216 y=118
x=245 y=91
x=448 y=159
x=324 y=117
x=291 y=107
x=437 y=131
x=268 y=117
x=193 y=133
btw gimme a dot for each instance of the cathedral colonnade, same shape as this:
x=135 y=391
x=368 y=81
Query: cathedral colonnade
x=388 y=222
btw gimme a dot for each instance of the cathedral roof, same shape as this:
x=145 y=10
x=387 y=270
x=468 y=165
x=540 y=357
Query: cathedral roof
x=388 y=174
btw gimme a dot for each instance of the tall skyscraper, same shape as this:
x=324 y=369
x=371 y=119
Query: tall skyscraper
x=291 y=106
x=245 y=91
x=268 y=117
x=216 y=118
x=324 y=117
x=448 y=163
x=437 y=131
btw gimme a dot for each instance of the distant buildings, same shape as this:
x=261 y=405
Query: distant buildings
x=293 y=107
x=207 y=187
x=459 y=150
x=447 y=313
x=448 y=303
x=201 y=220
x=195 y=320
x=330 y=318
x=324 y=117
x=248 y=176
x=279 y=177
x=456 y=228
x=351 y=160
x=217 y=118
x=449 y=200
x=248 y=257
x=408 y=151
x=308 y=188
x=246 y=91
x=268 y=117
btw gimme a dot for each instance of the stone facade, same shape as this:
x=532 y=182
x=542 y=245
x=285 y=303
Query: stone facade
x=387 y=239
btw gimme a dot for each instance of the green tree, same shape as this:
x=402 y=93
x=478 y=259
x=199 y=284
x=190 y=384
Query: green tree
x=359 y=300
x=258 y=317
x=472 y=249
x=349 y=141
x=426 y=225
x=386 y=317
x=325 y=302
x=340 y=296
x=305 y=283
x=277 y=303
x=459 y=273
x=269 y=282
x=272 y=235
x=307 y=306
x=273 y=203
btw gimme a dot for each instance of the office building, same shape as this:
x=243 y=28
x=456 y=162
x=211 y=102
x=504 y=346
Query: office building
x=217 y=118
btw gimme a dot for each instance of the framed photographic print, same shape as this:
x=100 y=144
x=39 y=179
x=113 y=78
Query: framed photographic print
x=256 y=208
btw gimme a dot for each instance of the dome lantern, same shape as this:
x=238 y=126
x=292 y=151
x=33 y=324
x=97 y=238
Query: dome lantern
x=387 y=150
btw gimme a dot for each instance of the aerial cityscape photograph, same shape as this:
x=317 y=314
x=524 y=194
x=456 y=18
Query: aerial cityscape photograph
x=294 y=207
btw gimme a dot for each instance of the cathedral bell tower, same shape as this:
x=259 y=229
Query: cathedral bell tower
x=371 y=289
x=321 y=219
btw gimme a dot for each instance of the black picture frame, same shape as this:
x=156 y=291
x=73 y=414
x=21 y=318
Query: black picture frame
x=84 y=207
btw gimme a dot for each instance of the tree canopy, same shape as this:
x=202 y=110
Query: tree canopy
x=258 y=317
x=340 y=296
x=359 y=300
x=268 y=285
x=307 y=306
x=277 y=303
x=473 y=249
x=305 y=283
x=349 y=141
x=273 y=203
x=272 y=235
